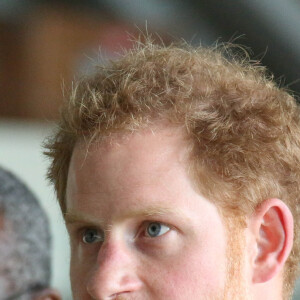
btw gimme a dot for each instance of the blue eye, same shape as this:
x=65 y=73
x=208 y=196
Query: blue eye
x=91 y=236
x=155 y=229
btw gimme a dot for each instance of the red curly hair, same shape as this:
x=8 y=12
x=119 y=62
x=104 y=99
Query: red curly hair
x=244 y=130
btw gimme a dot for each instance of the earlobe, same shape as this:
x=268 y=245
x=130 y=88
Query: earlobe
x=272 y=226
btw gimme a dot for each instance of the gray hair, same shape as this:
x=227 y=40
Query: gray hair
x=25 y=240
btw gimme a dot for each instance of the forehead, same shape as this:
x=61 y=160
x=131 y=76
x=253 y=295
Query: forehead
x=149 y=166
x=146 y=150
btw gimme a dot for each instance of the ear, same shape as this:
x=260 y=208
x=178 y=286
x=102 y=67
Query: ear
x=272 y=226
x=48 y=294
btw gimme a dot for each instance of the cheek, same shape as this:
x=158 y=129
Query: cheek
x=198 y=272
x=204 y=271
x=76 y=276
x=79 y=272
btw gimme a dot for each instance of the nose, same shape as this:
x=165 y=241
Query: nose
x=114 y=274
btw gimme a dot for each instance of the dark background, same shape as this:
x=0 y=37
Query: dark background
x=45 y=43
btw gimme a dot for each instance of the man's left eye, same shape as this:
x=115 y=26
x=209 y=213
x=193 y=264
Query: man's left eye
x=155 y=229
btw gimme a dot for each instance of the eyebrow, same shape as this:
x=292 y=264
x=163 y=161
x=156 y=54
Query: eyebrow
x=152 y=211
x=78 y=217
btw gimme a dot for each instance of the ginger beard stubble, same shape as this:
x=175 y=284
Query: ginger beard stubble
x=236 y=286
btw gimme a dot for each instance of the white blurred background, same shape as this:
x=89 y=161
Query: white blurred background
x=21 y=153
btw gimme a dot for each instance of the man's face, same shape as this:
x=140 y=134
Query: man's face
x=138 y=229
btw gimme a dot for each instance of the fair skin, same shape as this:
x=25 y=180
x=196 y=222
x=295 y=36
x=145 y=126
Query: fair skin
x=139 y=230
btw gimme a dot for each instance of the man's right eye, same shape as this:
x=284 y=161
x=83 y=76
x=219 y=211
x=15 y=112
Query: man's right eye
x=91 y=236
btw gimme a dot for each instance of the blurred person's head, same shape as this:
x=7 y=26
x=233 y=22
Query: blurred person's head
x=178 y=173
x=25 y=243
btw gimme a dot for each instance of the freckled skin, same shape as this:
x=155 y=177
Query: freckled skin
x=125 y=175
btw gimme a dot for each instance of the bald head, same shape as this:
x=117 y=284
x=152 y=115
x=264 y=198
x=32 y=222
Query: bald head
x=24 y=240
